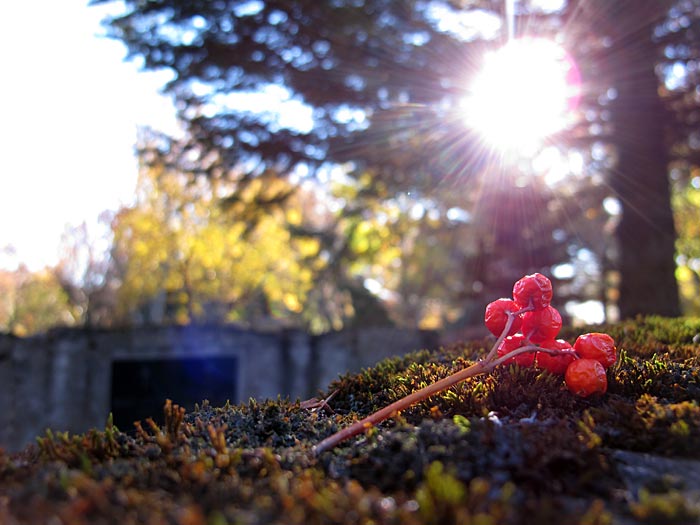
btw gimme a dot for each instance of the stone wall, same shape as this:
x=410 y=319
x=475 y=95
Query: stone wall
x=63 y=380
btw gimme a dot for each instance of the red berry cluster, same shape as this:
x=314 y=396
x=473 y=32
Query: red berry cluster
x=527 y=326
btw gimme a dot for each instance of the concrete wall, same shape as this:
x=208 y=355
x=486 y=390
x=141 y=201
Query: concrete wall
x=62 y=380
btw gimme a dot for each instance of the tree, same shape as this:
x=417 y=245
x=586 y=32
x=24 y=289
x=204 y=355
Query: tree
x=375 y=84
x=178 y=246
x=287 y=49
x=87 y=274
x=625 y=59
x=687 y=211
x=32 y=302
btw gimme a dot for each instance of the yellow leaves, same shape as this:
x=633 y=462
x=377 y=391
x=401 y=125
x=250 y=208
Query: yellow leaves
x=292 y=302
x=370 y=236
x=693 y=196
x=683 y=274
x=365 y=179
x=307 y=247
x=294 y=217
x=236 y=250
x=686 y=208
x=360 y=244
x=178 y=239
x=141 y=248
x=174 y=281
x=32 y=302
x=305 y=274
x=689 y=288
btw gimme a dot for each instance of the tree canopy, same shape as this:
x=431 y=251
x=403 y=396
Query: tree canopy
x=32 y=302
x=358 y=75
x=373 y=86
x=178 y=249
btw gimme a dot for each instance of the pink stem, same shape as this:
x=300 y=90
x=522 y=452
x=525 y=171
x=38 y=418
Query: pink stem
x=483 y=366
x=480 y=367
x=506 y=329
x=531 y=348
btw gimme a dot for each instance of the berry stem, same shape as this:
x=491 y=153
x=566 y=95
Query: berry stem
x=478 y=368
x=483 y=366
x=530 y=348
x=509 y=323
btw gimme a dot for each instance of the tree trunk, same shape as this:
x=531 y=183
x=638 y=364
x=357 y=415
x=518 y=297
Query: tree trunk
x=646 y=234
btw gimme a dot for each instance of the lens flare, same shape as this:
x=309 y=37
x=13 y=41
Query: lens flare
x=525 y=92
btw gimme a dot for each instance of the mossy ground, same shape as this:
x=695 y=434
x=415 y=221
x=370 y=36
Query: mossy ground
x=510 y=448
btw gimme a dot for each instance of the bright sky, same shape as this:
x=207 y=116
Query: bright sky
x=70 y=111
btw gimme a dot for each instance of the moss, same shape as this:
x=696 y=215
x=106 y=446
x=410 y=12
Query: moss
x=655 y=375
x=511 y=448
x=669 y=507
x=443 y=498
x=650 y=425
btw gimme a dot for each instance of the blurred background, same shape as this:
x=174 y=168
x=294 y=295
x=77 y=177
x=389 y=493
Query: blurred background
x=321 y=165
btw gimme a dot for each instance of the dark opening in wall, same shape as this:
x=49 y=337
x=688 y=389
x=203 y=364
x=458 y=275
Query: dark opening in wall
x=140 y=387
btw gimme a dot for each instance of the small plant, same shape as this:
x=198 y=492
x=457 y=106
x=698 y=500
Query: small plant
x=526 y=327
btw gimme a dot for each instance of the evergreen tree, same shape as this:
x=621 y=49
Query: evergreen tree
x=376 y=83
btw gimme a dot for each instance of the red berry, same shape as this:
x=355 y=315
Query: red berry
x=536 y=288
x=556 y=364
x=514 y=342
x=585 y=377
x=541 y=325
x=496 y=318
x=600 y=347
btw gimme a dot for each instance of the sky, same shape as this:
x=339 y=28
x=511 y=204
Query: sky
x=71 y=109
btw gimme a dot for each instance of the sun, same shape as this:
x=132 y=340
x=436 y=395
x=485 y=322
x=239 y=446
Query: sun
x=525 y=92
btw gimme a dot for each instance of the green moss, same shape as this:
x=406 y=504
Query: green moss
x=514 y=447
x=650 y=425
x=442 y=498
x=670 y=507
